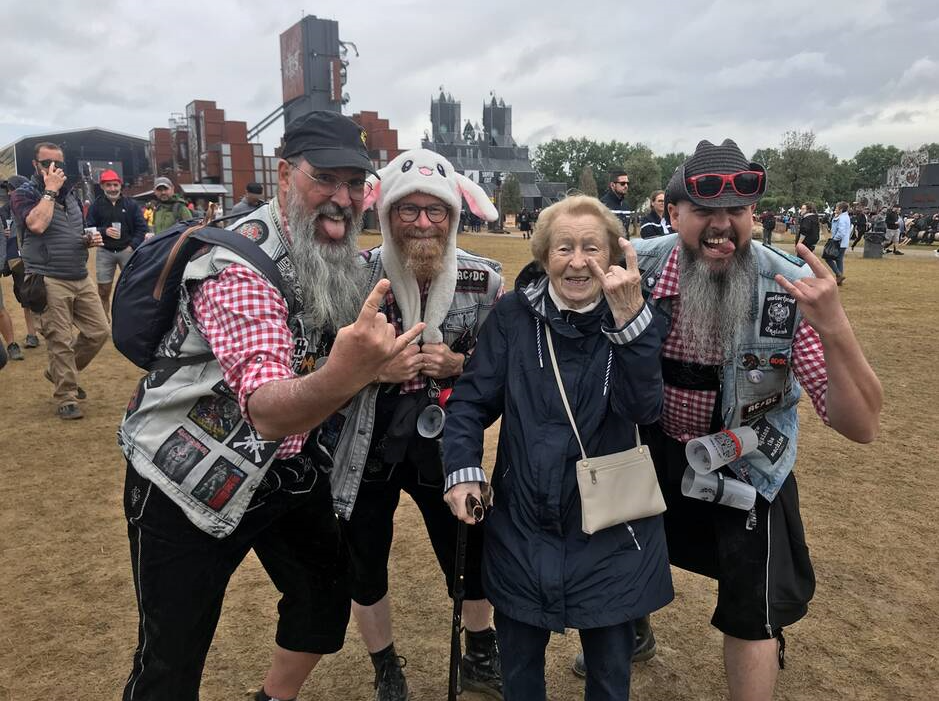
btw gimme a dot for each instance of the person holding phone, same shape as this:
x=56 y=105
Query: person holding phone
x=55 y=247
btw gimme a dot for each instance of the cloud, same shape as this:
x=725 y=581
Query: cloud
x=661 y=74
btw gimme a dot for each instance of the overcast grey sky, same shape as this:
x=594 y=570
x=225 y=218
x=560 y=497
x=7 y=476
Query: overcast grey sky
x=663 y=73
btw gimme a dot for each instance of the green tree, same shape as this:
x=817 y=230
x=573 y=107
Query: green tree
x=511 y=195
x=587 y=183
x=933 y=150
x=798 y=171
x=767 y=157
x=667 y=165
x=873 y=162
x=645 y=175
x=563 y=160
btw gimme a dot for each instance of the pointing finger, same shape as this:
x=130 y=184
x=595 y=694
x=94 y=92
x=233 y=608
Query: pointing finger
x=818 y=267
x=402 y=341
x=629 y=251
x=373 y=301
x=595 y=268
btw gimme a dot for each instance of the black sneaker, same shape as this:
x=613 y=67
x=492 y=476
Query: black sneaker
x=13 y=350
x=69 y=412
x=481 y=670
x=390 y=684
x=31 y=341
x=898 y=253
x=80 y=393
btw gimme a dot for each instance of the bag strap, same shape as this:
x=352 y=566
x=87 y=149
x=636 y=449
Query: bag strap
x=567 y=406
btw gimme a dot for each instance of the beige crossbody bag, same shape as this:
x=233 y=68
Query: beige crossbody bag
x=614 y=488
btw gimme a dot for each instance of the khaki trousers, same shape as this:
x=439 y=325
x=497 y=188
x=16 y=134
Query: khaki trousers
x=72 y=303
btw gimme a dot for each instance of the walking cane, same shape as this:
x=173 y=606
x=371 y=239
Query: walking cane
x=478 y=511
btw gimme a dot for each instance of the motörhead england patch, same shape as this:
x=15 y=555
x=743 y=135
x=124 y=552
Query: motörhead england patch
x=778 y=319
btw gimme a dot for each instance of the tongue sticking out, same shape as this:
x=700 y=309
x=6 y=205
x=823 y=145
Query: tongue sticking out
x=334 y=229
x=727 y=247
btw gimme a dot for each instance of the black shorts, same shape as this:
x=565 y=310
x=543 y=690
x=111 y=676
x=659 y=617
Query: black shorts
x=369 y=530
x=181 y=573
x=765 y=578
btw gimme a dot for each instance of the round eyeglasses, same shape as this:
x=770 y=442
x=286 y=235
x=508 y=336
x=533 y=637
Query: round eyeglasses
x=328 y=184
x=409 y=213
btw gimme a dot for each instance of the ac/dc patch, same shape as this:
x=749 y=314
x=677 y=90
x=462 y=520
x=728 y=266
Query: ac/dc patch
x=215 y=415
x=472 y=280
x=248 y=444
x=219 y=484
x=779 y=315
x=759 y=407
x=772 y=443
x=179 y=454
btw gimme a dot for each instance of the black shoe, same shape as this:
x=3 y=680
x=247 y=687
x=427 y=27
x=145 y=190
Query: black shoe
x=261 y=695
x=644 y=647
x=13 y=350
x=645 y=641
x=482 y=665
x=390 y=684
x=31 y=341
x=69 y=411
x=80 y=393
x=3 y=356
x=898 y=253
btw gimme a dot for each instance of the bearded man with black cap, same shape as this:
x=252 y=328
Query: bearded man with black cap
x=388 y=444
x=749 y=327
x=224 y=440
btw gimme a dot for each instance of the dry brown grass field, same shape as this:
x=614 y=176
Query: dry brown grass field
x=67 y=611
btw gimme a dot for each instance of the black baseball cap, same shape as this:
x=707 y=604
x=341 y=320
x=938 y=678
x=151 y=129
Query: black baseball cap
x=327 y=140
x=708 y=158
x=254 y=188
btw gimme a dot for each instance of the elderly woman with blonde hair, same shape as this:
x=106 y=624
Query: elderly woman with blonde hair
x=541 y=572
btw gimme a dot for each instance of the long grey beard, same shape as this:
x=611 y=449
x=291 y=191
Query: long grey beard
x=330 y=275
x=715 y=307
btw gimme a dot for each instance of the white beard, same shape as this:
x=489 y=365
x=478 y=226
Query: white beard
x=330 y=274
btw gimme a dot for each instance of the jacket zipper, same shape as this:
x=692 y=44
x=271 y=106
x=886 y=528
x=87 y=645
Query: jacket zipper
x=633 y=534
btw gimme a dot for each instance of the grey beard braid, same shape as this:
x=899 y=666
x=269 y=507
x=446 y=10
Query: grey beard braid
x=715 y=307
x=330 y=275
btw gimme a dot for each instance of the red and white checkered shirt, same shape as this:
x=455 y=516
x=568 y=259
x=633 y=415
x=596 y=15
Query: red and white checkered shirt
x=394 y=316
x=244 y=319
x=687 y=413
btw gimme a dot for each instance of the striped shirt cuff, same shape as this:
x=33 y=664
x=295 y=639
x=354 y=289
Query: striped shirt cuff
x=631 y=330
x=465 y=474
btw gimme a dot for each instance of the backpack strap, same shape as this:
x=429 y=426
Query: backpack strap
x=251 y=252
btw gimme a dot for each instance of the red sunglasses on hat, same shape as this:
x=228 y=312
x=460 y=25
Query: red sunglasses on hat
x=709 y=185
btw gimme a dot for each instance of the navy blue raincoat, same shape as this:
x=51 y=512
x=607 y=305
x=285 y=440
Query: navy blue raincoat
x=539 y=567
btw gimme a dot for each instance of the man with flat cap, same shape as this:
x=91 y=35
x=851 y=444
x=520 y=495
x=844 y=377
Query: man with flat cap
x=225 y=445
x=253 y=198
x=749 y=327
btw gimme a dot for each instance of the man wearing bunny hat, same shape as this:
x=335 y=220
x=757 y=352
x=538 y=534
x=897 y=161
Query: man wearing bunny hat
x=386 y=442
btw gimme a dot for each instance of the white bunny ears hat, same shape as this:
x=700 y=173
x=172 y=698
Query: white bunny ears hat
x=425 y=171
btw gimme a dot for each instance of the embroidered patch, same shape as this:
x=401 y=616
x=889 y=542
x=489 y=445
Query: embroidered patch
x=758 y=408
x=772 y=443
x=222 y=388
x=779 y=315
x=215 y=415
x=172 y=343
x=472 y=280
x=134 y=403
x=159 y=377
x=289 y=273
x=179 y=454
x=219 y=484
x=255 y=230
x=249 y=444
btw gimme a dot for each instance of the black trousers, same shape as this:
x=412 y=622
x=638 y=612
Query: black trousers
x=181 y=573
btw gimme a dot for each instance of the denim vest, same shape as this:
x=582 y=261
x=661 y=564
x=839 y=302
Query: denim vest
x=765 y=349
x=183 y=429
x=348 y=433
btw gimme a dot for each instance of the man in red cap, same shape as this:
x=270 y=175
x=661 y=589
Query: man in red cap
x=122 y=226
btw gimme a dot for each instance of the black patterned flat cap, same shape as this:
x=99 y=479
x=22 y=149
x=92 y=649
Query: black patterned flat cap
x=327 y=140
x=708 y=158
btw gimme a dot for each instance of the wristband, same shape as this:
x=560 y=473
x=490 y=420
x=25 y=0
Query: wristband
x=51 y=193
x=47 y=196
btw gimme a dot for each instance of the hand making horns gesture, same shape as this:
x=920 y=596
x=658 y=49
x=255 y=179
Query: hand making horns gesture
x=817 y=296
x=370 y=339
x=622 y=287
